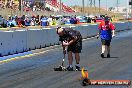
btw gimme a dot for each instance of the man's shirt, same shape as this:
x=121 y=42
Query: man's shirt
x=105 y=30
x=70 y=34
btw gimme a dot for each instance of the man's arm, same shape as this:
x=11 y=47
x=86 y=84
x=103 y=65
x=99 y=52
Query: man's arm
x=70 y=42
x=73 y=40
x=98 y=35
x=99 y=30
x=113 y=29
x=113 y=33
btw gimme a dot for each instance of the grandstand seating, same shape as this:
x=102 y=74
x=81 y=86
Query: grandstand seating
x=56 y=4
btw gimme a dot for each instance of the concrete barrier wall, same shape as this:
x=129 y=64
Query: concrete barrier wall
x=129 y=25
x=19 y=41
x=5 y=36
x=121 y=26
x=12 y=42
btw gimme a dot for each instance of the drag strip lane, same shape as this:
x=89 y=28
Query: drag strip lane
x=37 y=71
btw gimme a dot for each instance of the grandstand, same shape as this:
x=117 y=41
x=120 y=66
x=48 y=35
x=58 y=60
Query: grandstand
x=56 y=5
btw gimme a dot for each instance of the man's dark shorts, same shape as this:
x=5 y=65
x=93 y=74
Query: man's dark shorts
x=105 y=42
x=76 y=47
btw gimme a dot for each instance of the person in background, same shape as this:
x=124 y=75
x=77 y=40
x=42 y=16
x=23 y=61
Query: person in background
x=3 y=22
x=14 y=21
x=32 y=22
x=54 y=22
x=27 y=21
x=60 y=21
x=20 y=22
x=50 y=20
x=72 y=20
x=75 y=19
x=1 y=19
x=9 y=23
x=67 y=20
x=23 y=17
x=37 y=20
x=89 y=20
x=44 y=21
x=106 y=32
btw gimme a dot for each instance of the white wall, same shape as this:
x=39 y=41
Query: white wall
x=12 y=42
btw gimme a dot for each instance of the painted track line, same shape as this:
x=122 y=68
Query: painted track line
x=25 y=56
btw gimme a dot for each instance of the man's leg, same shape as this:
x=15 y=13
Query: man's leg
x=70 y=59
x=103 y=51
x=108 y=48
x=108 y=51
x=103 y=47
x=77 y=57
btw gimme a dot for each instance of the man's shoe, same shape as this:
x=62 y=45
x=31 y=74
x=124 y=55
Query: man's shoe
x=70 y=68
x=102 y=55
x=108 y=55
x=78 y=68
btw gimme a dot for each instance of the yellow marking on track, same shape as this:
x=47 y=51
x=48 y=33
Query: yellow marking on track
x=25 y=56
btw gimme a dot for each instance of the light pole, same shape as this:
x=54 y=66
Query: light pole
x=131 y=7
x=117 y=5
x=20 y=7
x=91 y=2
x=127 y=4
x=106 y=6
x=83 y=6
x=95 y=5
x=87 y=6
x=99 y=6
x=60 y=7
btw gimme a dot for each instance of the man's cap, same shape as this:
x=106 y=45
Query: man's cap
x=106 y=19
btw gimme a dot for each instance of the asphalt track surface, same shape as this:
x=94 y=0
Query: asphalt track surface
x=37 y=71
